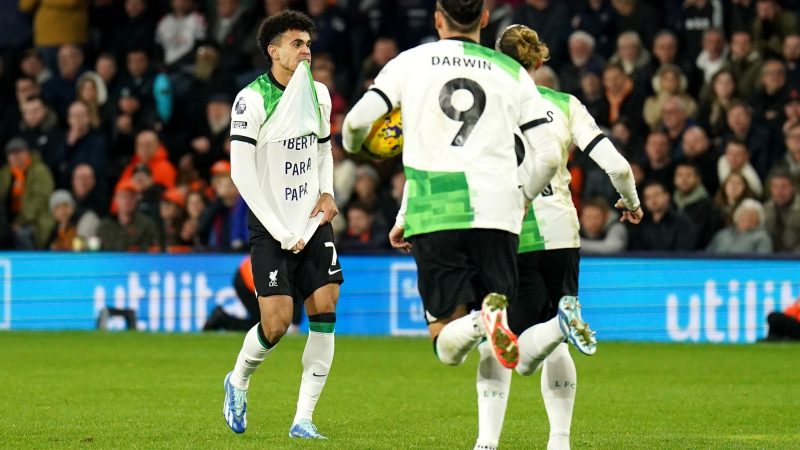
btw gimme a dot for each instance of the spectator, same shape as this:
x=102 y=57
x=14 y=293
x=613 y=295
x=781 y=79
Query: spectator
x=195 y=205
x=633 y=57
x=597 y=18
x=208 y=80
x=791 y=110
x=500 y=17
x=791 y=56
x=746 y=235
x=39 y=128
x=59 y=91
x=785 y=325
x=223 y=225
x=658 y=165
x=150 y=193
x=638 y=16
x=744 y=62
x=25 y=188
x=755 y=137
x=582 y=57
x=593 y=97
x=696 y=150
x=57 y=23
x=137 y=29
x=323 y=71
x=674 y=121
x=665 y=51
x=791 y=160
x=344 y=173
x=622 y=99
x=332 y=34
x=716 y=101
x=129 y=230
x=211 y=142
x=179 y=32
x=697 y=17
x=600 y=231
x=668 y=81
x=228 y=30
x=692 y=199
x=714 y=54
x=769 y=100
x=71 y=230
x=783 y=213
x=172 y=215
x=549 y=19
x=546 y=77
x=84 y=144
x=32 y=65
x=383 y=50
x=91 y=89
x=731 y=192
x=106 y=67
x=736 y=160
x=88 y=196
x=771 y=26
x=663 y=228
x=363 y=233
x=150 y=152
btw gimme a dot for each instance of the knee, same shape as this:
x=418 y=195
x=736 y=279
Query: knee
x=274 y=329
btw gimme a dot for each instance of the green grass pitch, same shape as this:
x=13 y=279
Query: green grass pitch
x=128 y=390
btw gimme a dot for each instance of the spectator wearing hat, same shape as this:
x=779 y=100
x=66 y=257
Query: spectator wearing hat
x=151 y=153
x=128 y=229
x=783 y=213
x=172 y=214
x=25 y=188
x=746 y=235
x=39 y=127
x=71 y=231
x=84 y=144
x=223 y=225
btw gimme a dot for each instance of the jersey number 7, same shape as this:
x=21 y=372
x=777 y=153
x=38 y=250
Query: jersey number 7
x=468 y=117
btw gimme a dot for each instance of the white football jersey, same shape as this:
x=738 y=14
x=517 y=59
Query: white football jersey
x=460 y=103
x=286 y=127
x=552 y=221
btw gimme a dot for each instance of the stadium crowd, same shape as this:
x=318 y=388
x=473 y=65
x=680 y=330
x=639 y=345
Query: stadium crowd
x=115 y=115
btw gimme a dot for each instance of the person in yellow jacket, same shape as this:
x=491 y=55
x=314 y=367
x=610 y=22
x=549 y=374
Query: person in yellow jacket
x=57 y=22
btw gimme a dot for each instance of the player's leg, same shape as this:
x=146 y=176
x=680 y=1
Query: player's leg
x=318 y=282
x=271 y=268
x=444 y=280
x=494 y=252
x=530 y=308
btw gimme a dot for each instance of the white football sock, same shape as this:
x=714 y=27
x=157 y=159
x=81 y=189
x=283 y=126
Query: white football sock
x=493 y=384
x=457 y=338
x=536 y=343
x=250 y=357
x=559 y=383
x=317 y=360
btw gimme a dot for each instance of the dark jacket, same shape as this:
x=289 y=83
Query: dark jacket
x=140 y=234
x=674 y=232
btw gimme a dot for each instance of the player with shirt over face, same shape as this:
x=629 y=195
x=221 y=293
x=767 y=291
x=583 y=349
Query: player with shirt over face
x=460 y=103
x=549 y=243
x=281 y=163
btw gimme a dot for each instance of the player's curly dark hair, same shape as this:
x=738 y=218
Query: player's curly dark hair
x=461 y=15
x=273 y=26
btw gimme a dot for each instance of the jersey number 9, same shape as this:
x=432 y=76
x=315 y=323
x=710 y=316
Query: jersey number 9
x=468 y=117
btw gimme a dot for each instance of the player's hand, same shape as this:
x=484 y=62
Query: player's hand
x=299 y=246
x=397 y=240
x=633 y=217
x=327 y=205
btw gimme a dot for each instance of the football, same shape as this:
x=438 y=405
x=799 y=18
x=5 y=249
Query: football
x=385 y=138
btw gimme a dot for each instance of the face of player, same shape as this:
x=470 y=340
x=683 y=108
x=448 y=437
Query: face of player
x=294 y=46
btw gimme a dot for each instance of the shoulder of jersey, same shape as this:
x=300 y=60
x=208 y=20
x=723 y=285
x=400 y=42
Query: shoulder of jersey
x=323 y=95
